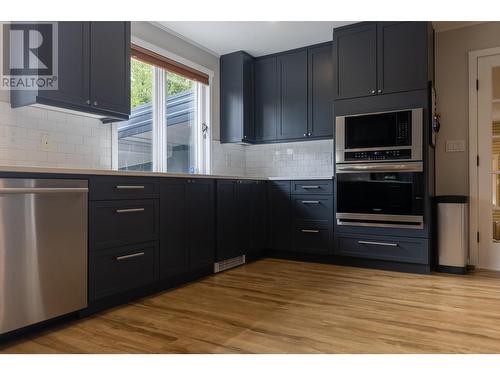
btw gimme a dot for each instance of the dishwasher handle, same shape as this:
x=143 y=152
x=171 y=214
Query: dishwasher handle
x=42 y=190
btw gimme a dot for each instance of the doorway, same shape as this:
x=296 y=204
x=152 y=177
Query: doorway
x=485 y=203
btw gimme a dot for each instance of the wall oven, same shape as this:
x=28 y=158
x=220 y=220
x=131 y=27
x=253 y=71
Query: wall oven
x=380 y=194
x=380 y=136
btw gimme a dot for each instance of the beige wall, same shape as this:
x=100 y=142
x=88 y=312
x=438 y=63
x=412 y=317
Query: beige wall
x=162 y=39
x=452 y=88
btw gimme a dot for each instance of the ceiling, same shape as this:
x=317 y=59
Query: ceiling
x=258 y=38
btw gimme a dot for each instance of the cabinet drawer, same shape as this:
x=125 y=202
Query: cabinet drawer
x=106 y=188
x=116 y=223
x=118 y=270
x=317 y=208
x=400 y=249
x=312 y=187
x=313 y=239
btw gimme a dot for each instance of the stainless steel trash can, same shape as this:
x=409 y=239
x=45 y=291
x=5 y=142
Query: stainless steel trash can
x=452 y=233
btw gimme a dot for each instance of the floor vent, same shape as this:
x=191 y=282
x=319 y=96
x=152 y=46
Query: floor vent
x=229 y=263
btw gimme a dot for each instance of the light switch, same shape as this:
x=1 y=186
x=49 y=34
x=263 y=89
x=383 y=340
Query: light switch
x=455 y=146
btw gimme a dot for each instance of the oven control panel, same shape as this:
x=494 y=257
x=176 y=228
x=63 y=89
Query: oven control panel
x=377 y=155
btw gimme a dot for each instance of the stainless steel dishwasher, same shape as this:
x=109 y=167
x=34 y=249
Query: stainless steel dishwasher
x=43 y=250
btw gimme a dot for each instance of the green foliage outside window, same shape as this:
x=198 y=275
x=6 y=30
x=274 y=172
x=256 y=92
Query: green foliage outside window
x=142 y=83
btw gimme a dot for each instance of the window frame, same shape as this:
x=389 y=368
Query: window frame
x=204 y=92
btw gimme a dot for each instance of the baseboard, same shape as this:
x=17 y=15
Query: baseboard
x=351 y=261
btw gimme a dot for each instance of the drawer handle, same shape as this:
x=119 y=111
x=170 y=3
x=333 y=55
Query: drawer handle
x=310 y=187
x=127 y=210
x=129 y=187
x=309 y=230
x=135 y=255
x=378 y=243
x=311 y=202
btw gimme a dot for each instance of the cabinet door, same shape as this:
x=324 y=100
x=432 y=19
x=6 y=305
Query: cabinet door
x=402 y=56
x=293 y=95
x=320 y=71
x=266 y=94
x=280 y=215
x=73 y=65
x=226 y=220
x=355 y=61
x=174 y=256
x=110 y=66
x=201 y=218
x=248 y=99
x=259 y=216
x=243 y=216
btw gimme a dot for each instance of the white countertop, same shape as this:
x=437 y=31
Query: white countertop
x=110 y=172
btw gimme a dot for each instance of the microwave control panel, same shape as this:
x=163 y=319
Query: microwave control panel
x=377 y=155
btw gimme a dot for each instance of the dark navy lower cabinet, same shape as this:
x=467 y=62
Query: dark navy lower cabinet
x=241 y=218
x=397 y=249
x=280 y=215
x=121 y=269
x=186 y=225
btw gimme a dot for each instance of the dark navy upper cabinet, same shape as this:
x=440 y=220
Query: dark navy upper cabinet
x=93 y=72
x=374 y=58
x=237 y=98
x=110 y=67
x=73 y=68
x=402 y=56
x=320 y=91
x=266 y=99
x=355 y=61
x=293 y=95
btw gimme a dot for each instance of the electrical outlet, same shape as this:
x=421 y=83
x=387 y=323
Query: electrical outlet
x=46 y=142
x=455 y=146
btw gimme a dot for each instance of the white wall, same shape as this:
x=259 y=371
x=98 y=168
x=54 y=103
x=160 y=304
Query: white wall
x=452 y=75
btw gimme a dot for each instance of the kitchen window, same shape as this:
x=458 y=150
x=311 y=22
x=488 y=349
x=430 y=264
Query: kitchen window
x=168 y=126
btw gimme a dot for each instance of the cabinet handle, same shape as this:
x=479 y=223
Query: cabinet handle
x=129 y=187
x=379 y=91
x=373 y=91
x=95 y=103
x=305 y=134
x=309 y=134
x=309 y=230
x=135 y=255
x=310 y=187
x=128 y=210
x=310 y=202
x=378 y=243
x=87 y=101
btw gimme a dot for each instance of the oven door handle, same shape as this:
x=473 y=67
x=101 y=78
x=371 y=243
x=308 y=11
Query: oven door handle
x=380 y=167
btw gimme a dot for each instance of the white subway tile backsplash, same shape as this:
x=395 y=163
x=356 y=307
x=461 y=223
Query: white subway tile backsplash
x=297 y=159
x=74 y=141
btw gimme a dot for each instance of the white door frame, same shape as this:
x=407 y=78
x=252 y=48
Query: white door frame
x=473 y=151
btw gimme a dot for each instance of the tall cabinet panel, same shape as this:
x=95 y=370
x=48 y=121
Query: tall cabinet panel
x=109 y=64
x=355 y=61
x=293 y=95
x=320 y=93
x=266 y=99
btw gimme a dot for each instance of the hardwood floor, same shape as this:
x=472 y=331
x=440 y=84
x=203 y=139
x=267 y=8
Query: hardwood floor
x=277 y=306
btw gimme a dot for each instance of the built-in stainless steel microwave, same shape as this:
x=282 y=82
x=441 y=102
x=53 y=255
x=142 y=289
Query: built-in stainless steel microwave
x=379 y=137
